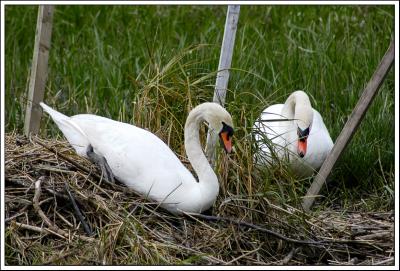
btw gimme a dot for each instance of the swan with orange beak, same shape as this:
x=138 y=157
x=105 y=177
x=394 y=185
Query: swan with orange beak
x=293 y=130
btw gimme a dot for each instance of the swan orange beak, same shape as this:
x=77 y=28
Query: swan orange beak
x=302 y=141
x=302 y=147
x=226 y=140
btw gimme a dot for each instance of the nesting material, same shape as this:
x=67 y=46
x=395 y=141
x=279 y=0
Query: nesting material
x=59 y=210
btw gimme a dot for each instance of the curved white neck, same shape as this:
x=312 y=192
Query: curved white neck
x=294 y=109
x=208 y=181
x=294 y=102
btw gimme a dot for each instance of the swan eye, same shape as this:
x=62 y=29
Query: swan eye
x=303 y=134
x=227 y=129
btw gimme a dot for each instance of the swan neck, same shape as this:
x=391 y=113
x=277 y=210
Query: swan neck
x=294 y=105
x=207 y=179
x=289 y=108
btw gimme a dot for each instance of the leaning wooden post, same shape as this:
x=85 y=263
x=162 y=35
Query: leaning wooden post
x=351 y=126
x=225 y=60
x=38 y=76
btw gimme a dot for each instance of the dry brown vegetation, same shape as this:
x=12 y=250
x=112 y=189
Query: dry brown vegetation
x=122 y=228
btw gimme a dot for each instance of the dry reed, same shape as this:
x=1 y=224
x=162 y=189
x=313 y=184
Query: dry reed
x=43 y=178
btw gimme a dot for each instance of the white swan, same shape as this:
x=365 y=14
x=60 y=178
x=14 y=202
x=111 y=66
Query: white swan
x=143 y=162
x=304 y=139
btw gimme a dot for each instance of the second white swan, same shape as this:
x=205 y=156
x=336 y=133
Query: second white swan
x=143 y=162
x=297 y=133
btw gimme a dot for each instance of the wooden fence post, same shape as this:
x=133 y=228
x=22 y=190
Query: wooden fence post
x=351 y=126
x=225 y=60
x=38 y=75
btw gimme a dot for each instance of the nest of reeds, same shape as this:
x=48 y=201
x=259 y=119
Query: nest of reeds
x=60 y=211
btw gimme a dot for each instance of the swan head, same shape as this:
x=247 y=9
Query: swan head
x=219 y=120
x=225 y=136
x=303 y=119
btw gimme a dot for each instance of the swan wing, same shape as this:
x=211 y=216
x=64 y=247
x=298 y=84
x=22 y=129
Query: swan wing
x=272 y=126
x=319 y=142
x=138 y=158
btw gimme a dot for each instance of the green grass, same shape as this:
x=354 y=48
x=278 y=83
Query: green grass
x=149 y=65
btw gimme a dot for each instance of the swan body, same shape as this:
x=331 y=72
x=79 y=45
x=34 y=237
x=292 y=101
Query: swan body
x=301 y=137
x=143 y=162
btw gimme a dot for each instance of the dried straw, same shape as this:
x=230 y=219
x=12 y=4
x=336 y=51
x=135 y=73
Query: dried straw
x=59 y=210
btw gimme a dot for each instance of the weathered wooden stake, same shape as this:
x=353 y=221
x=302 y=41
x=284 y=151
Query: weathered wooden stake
x=225 y=60
x=351 y=126
x=38 y=76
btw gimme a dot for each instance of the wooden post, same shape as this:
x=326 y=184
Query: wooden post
x=225 y=60
x=38 y=76
x=351 y=126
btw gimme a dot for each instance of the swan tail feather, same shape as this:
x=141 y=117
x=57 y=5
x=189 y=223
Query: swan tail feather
x=74 y=134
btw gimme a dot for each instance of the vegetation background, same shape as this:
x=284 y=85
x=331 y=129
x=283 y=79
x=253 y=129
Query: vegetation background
x=149 y=65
